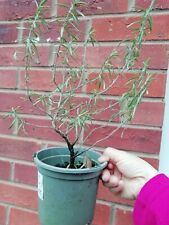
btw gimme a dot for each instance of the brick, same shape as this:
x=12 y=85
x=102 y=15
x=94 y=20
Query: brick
x=19 y=9
x=39 y=80
x=2 y=214
x=149 y=113
x=156 y=88
x=107 y=6
x=42 y=129
x=123 y=217
x=44 y=56
x=18 y=149
x=14 y=56
x=8 y=33
x=153 y=162
x=18 y=196
x=160 y=4
x=5 y=124
x=105 y=110
x=105 y=194
x=11 y=56
x=159 y=28
x=5 y=170
x=25 y=174
x=116 y=28
x=96 y=56
x=18 y=101
x=8 y=78
x=96 y=7
x=17 y=216
x=109 y=108
x=102 y=214
x=133 y=139
x=51 y=33
x=150 y=51
x=42 y=80
x=108 y=29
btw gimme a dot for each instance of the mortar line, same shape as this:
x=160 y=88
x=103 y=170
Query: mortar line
x=54 y=7
x=131 y=5
x=81 y=95
x=57 y=143
x=18 y=161
x=20 y=32
x=12 y=171
x=94 y=122
x=18 y=185
x=118 y=14
x=112 y=215
x=8 y=215
x=113 y=43
x=90 y=69
x=18 y=207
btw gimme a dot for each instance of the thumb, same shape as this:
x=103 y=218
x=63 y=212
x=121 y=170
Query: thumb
x=113 y=155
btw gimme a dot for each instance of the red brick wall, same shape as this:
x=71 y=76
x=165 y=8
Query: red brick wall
x=18 y=197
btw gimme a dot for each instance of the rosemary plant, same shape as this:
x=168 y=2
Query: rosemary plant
x=69 y=108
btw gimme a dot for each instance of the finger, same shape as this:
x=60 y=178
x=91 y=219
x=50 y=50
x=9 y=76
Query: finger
x=106 y=155
x=112 y=182
x=117 y=173
x=103 y=159
x=110 y=166
x=106 y=175
x=118 y=188
x=114 y=155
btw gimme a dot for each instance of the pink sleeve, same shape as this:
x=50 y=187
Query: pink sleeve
x=152 y=203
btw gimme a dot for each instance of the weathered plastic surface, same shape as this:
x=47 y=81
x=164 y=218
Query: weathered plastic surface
x=66 y=196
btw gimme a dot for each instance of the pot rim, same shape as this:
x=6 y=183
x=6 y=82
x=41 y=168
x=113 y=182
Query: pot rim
x=41 y=164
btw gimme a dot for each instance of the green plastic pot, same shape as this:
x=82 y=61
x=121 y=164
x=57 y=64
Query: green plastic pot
x=66 y=196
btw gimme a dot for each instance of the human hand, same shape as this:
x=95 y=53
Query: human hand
x=126 y=173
